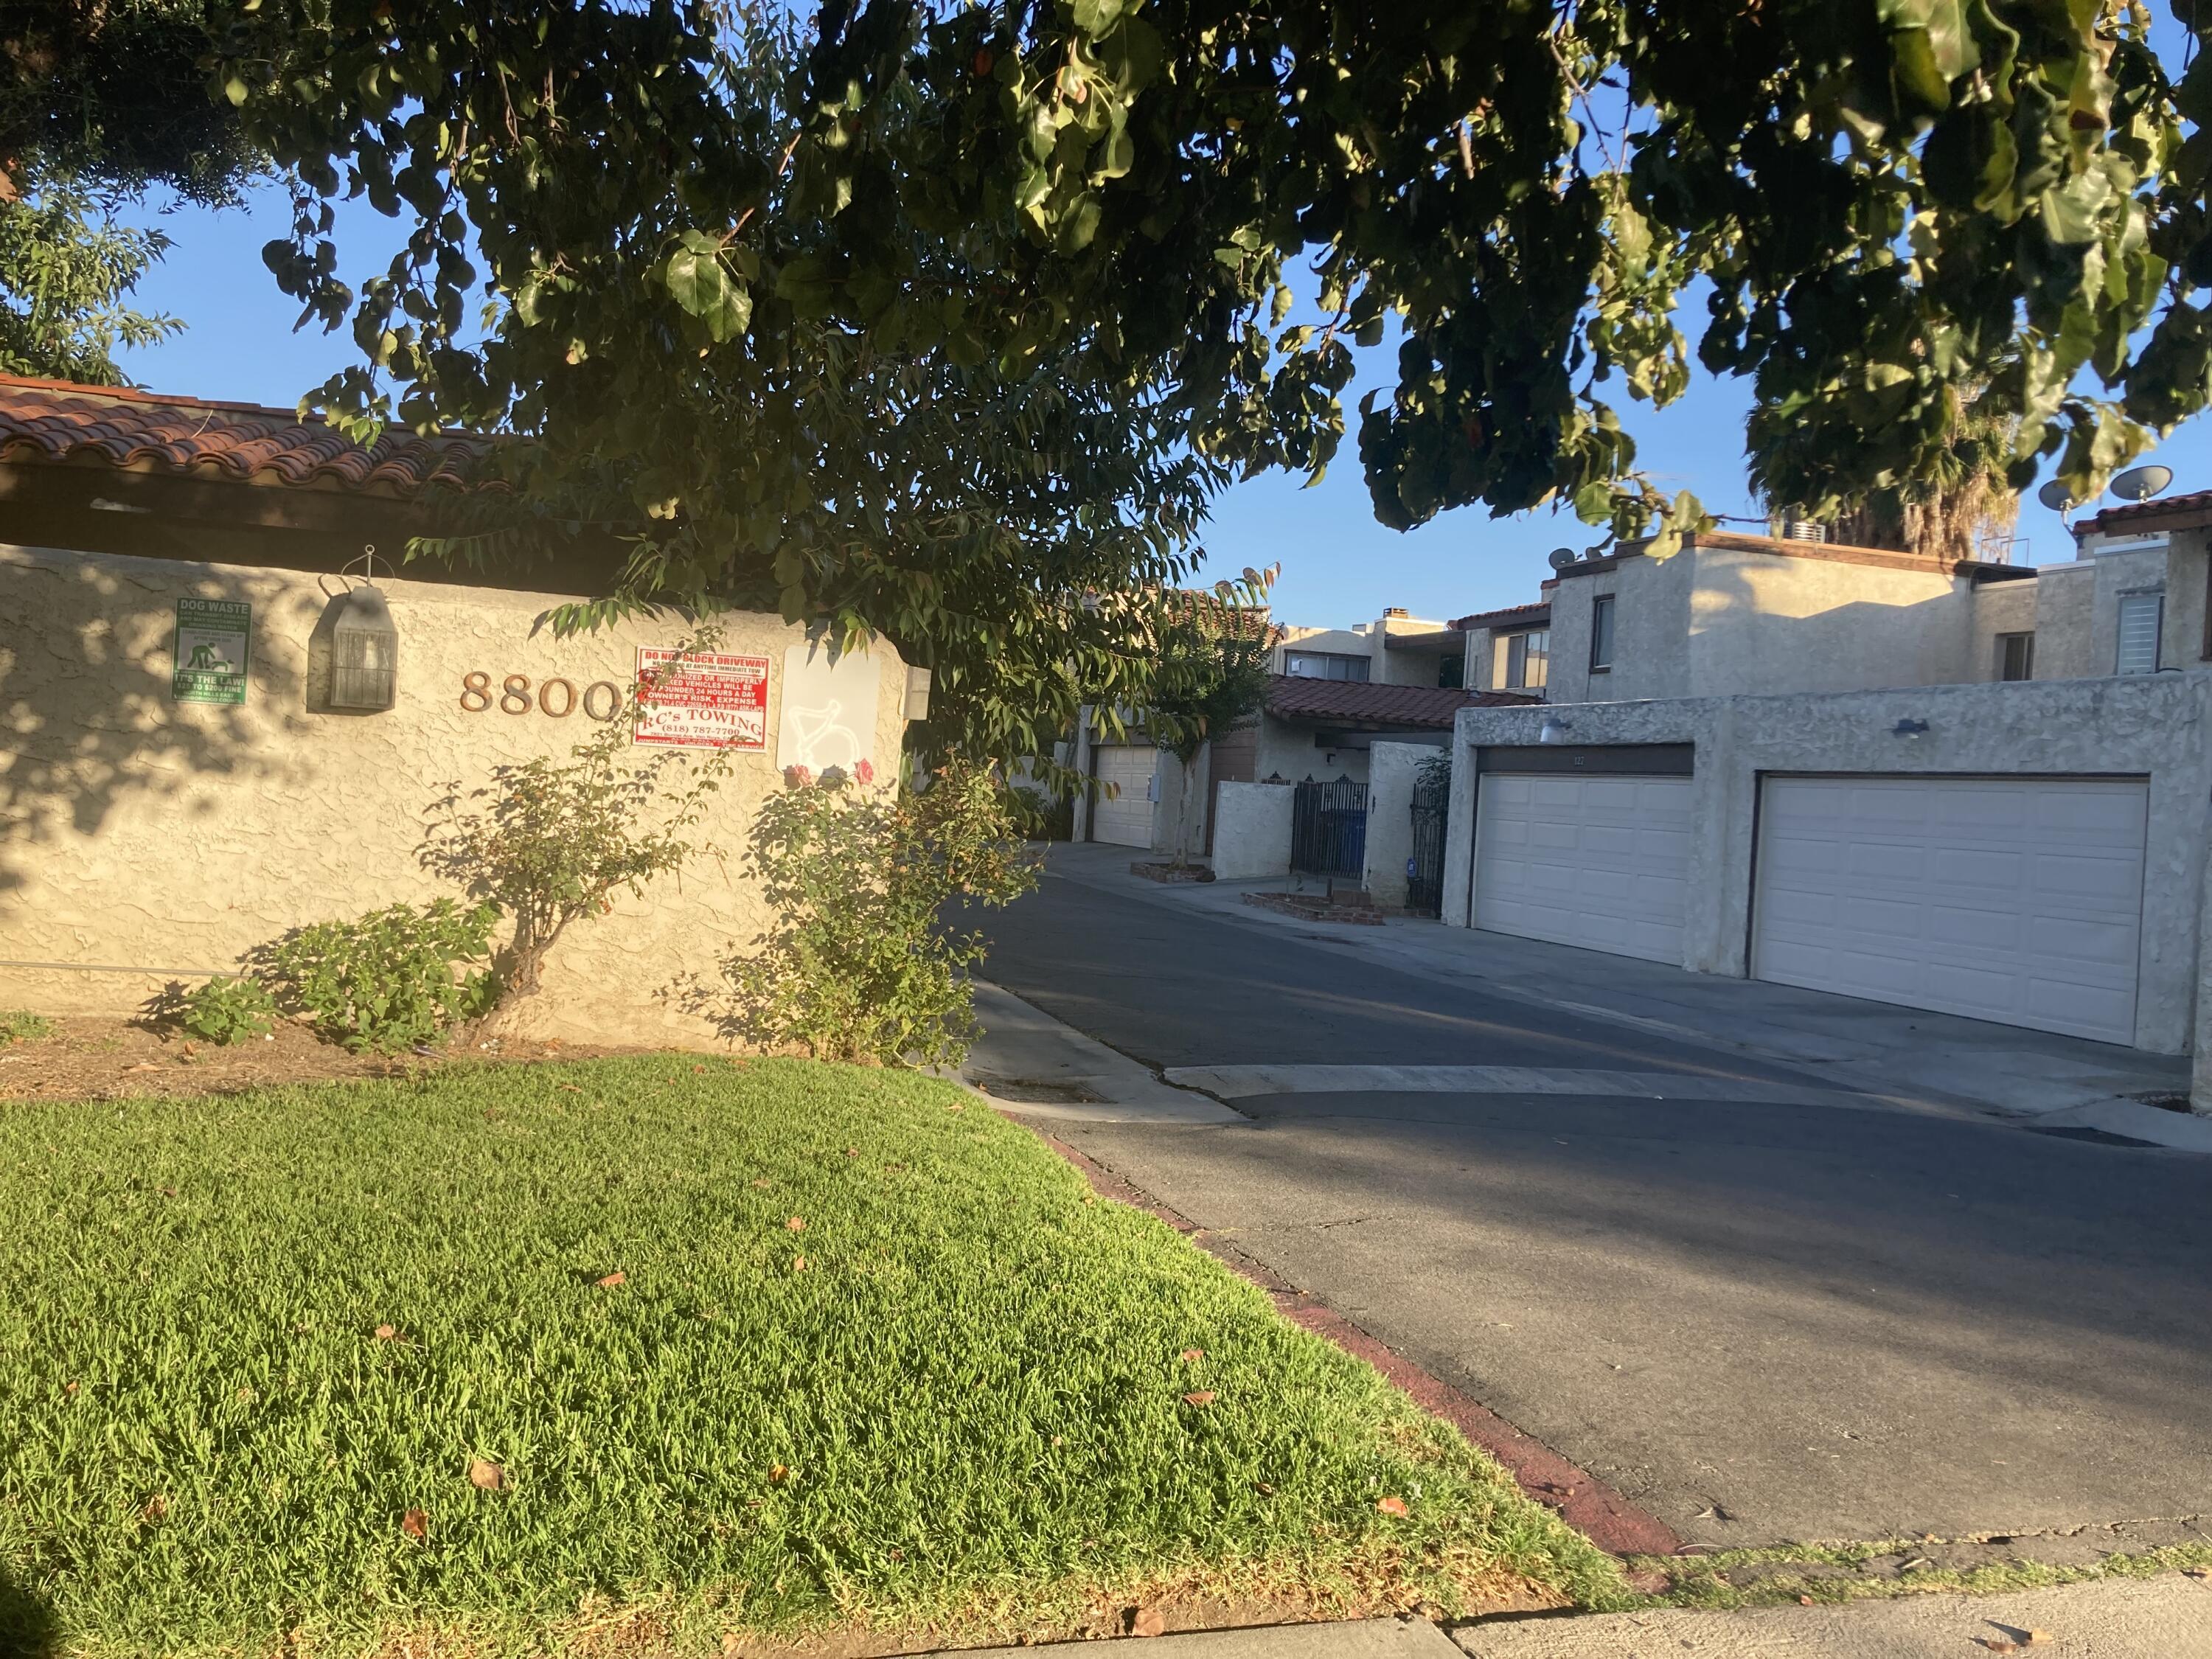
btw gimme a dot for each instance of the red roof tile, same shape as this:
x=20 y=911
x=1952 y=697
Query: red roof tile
x=1512 y=616
x=59 y=422
x=1365 y=702
x=2185 y=512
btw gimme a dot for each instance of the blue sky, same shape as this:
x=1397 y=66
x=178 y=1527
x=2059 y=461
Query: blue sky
x=1339 y=566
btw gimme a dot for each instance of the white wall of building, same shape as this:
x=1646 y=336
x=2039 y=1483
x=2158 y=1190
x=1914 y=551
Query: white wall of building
x=1392 y=770
x=1251 y=830
x=2150 y=726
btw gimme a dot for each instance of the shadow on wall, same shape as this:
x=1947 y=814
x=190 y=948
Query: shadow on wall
x=87 y=715
x=28 y=1629
x=1743 y=640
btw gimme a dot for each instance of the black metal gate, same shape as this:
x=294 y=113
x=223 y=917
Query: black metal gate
x=1328 y=828
x=1425 y=870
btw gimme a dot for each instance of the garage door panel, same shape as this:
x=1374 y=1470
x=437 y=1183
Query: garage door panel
x=2017 y=900
x=2091 y=881
x=1124 y=818
x=1965 y=869
x=1596 y=862
x=2109 y=943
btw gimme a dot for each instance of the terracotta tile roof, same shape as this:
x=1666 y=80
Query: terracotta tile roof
x=61 y=424
x=1513 y=615
x=2185 y=512
x=1365 y=702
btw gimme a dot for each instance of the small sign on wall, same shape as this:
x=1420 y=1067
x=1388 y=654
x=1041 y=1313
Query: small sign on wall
x=829 y=709
x=214 y=638
x=708 y=700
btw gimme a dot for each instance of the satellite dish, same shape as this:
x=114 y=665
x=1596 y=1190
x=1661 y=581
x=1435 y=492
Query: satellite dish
x=2140 y=483
x=2054 y=496
x=1562 y=558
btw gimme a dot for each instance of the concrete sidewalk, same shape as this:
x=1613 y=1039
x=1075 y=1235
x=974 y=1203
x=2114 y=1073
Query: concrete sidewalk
x=1026 y=1058
x=2164 y=1618
x=1935 y=1063
x=1367 y=1638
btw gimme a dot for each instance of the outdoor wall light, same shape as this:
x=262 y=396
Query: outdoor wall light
x=1908 y=728
x=1554 y=730
x=364 y=653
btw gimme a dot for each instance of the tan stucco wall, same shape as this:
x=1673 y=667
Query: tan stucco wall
x=142 y=839
x=1733 y=622
x=1995 y=608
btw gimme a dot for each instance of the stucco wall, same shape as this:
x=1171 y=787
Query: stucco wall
x=142 y=839
x=1995 y=608
x=1286 y=749
x=1251 y=830
x=1392 y=769
x=2186 y=573
x=1716 y=621
x=1762 y=623
x=1651 y=631
x=2151 y=725
x=2114 y=575
x=2063 y=603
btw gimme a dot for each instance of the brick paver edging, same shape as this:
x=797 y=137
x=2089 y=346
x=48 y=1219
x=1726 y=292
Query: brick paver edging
x=1584 y=1502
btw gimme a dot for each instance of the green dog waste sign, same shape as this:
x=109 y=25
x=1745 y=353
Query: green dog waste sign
x=212 y=637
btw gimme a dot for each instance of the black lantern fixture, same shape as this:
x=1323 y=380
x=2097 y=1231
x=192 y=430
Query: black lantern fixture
x=364 y=652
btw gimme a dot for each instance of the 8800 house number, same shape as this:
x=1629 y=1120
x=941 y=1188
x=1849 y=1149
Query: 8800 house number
x=601 y=699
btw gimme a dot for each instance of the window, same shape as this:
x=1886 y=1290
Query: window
x=2140 y=616
x=1601 y=633
x=1527 y=660
x=1451 y=672
x=1323 y=665
x=2016 y=656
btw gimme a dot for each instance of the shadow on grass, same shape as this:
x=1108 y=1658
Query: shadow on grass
x=27 y=1627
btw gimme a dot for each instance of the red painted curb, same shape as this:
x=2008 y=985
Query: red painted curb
x=1584 y=1502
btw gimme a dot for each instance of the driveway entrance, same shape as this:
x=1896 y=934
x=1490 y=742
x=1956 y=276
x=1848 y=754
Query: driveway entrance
x=1761 y=1309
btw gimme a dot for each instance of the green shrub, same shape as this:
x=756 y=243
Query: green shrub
x=548 y=843
x=225 y=1010
x=21 y=1026
x=391 y=980
x=1039 y=814
x=859 y=962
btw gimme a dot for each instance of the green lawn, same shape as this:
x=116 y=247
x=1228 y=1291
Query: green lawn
x=967 y=1410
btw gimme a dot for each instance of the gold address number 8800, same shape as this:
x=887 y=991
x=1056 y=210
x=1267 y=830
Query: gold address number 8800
x=601 y=700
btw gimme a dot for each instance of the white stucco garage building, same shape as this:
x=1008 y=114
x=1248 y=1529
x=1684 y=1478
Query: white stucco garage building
x=2005 y=817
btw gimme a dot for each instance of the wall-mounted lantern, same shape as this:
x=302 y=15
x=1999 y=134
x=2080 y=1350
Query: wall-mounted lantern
x=1554 y=730
x=364 y=653
x=1908 y=727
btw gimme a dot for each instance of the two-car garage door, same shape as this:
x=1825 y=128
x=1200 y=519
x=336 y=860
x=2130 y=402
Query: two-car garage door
x=2017 y=900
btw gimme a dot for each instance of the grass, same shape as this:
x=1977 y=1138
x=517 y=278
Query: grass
x=21 y=1026
x=965 y=1411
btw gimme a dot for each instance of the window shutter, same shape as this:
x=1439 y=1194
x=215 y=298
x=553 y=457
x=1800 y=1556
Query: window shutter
x=2140 y=615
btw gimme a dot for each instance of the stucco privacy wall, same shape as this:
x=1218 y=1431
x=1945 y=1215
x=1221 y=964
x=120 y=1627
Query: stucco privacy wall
x=1392 y=770
x=2149 y=726
x=1251 y=830
x=143 y=838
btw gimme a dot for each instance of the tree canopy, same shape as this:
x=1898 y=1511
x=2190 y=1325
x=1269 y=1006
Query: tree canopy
x=946 y=320
x=98 y=100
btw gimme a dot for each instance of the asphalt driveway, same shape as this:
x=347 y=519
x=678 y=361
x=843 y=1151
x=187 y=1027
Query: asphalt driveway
x=1761 y=1320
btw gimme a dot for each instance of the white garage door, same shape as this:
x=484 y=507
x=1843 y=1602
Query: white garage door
x=1596 y=861
x=2014 y=900
x=1125 y=820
